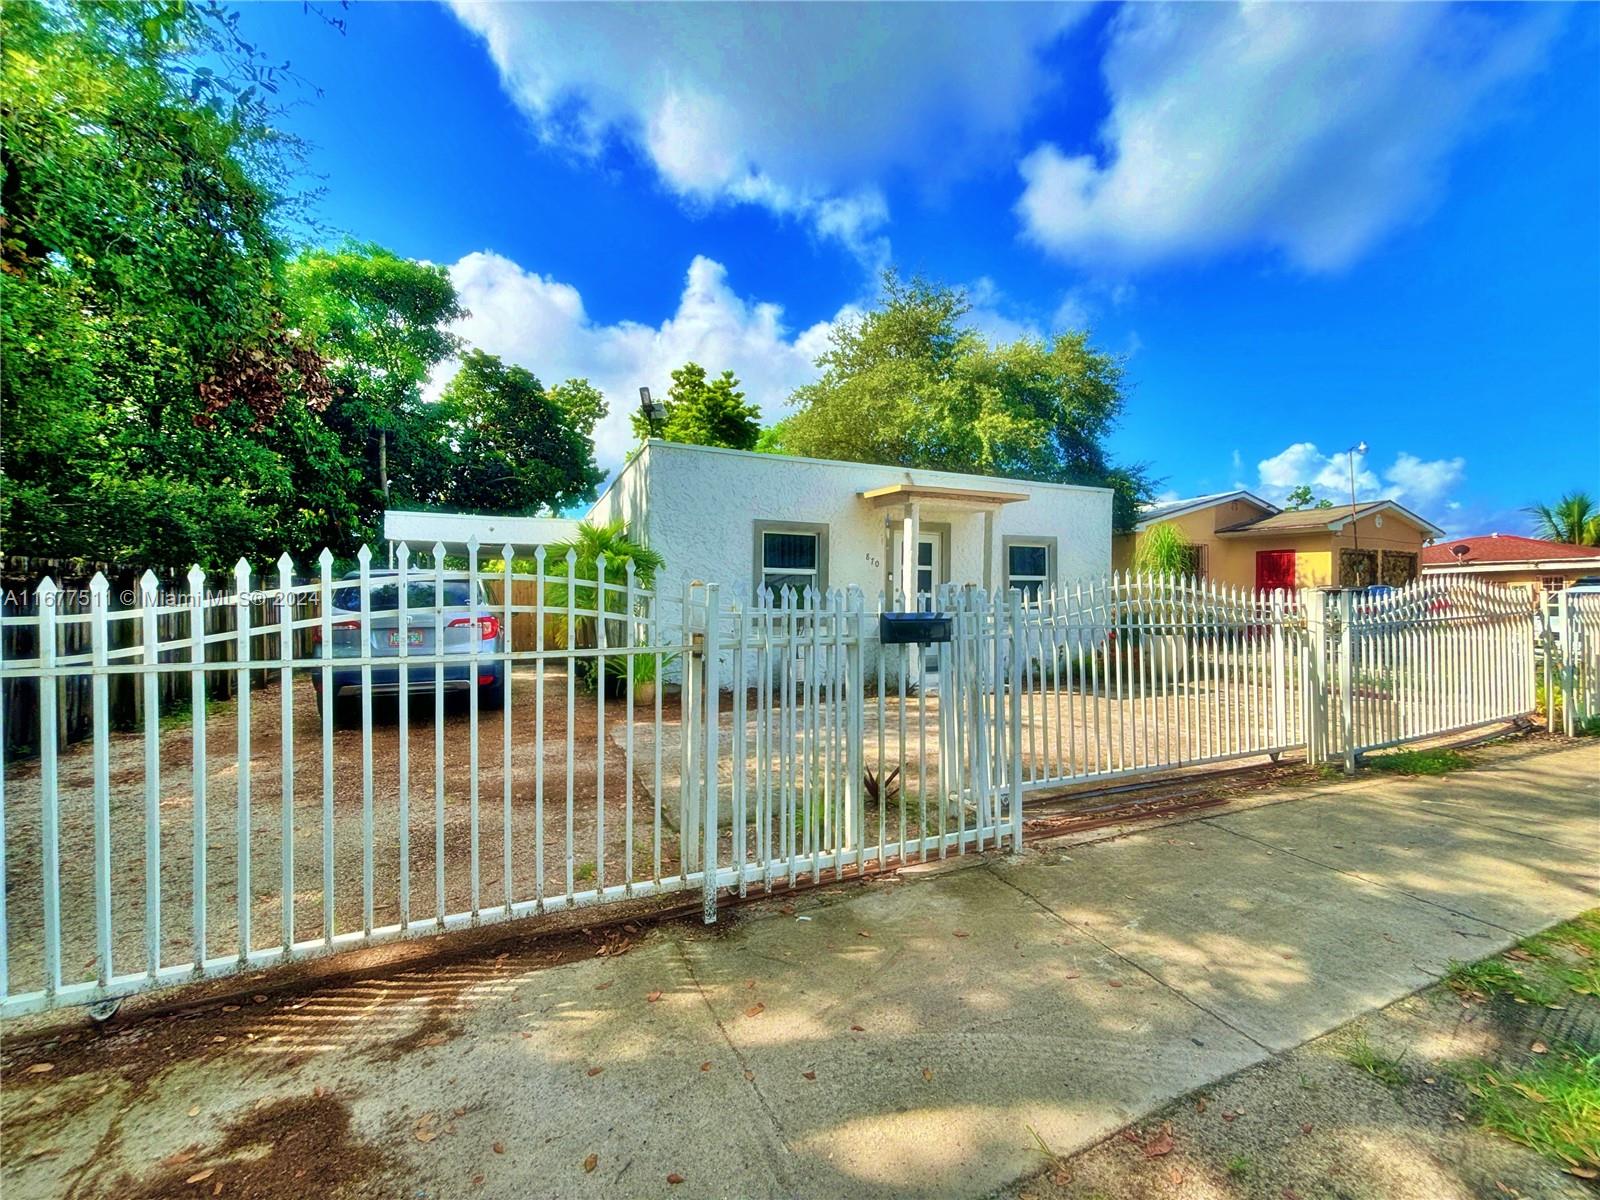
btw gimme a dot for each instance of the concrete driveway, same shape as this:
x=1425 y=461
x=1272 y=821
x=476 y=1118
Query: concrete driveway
x=893 y=1039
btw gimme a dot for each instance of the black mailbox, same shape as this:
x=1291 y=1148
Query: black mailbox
x=896 y=628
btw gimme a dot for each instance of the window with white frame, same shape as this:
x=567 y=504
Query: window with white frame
x=1028 y=567
x=791 y=556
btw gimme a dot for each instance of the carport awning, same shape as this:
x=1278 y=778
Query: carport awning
x=905 y=493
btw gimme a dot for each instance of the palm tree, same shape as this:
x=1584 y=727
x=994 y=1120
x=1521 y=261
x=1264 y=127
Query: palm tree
x=588 y=544
x=1574 y=518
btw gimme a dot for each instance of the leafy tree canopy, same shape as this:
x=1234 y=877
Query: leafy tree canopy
x=705 y=412
x=158 y=405
x=1304 y=497
x=516 y=447
x=910 y=383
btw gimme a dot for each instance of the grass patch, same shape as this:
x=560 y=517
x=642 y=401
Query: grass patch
x=1496 y=977
x=1363 y=1055
x=1579 y=936
x=1241 y=1166
x=1552 y=1107
x=1420 y=762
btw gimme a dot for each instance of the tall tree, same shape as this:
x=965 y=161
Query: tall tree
x=158 y=405
x=706 y=412
x=382 y=321
x=1574 y=518
x=910 y=383
x=517 y=447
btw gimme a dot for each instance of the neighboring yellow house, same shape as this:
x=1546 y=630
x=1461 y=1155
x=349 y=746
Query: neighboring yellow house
x=1241 y=540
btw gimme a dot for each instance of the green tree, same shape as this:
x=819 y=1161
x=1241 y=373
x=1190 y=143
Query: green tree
x=705 y=412
x=1575 y=518
x=910 y=384
x=1303 y=497
x=516 y=447
x=158 y=405
x=382 y=321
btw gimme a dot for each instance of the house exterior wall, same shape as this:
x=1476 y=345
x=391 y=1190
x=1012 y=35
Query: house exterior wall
x=1199 y=528
x=1521 y=577
x=698 y=507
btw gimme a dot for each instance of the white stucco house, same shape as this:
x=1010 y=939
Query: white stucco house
x=742 y=519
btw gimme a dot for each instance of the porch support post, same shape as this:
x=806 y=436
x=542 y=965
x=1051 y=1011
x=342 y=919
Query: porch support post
x=991 y=550
x=910 y=536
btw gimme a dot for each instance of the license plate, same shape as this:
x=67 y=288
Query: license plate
x=413 y=638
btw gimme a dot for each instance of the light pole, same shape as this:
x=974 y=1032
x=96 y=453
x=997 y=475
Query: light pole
x=655 y=412
x=1355 y=526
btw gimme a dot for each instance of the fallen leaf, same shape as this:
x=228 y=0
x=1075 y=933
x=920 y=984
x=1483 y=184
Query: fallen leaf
x=927 y=1074
x=787 y=910
x=749 y=1076
x=750 y=983
x=1289 y=1193
x=1518 y=954
x=862 y=933
x=102 y=1089
x=808 y=1075
x=706 y=1066
x=755 y=1010
x=216 y=1188
x=258 y=998
x=1131 y=1135
x=435 y=1039
x=857 y=1029
x=1539 y=1048
x=1175 y=1176
x=1071 y=975
x=1305 y=1127
x=593 y=1071
x=180 y=1157
x=1429 y=1079
x=674 y=1178
x=498 y=1147
x=590 y=1163
x=653 y=997
x=1582 y=1172
x=1228 y=1116
x=477 y=1180
x=201 y=1176
x=600 y=987
x=40 y=1068
x=1200 y=1105
x=423 y=1130
x=1160 y=1145
x=962 y=933
x=1061 y=1177
x=194 y=1110
x=1114 y=982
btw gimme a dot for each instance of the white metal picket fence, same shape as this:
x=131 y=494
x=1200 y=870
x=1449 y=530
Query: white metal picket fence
x=516 y=738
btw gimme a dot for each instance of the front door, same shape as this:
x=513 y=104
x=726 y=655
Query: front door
x=927 y=569
x=1275 y=569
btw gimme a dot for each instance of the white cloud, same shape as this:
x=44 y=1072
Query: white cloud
x=1423 y=483
x=540 y=323
x=804 y=109
x=1310 y=128
x=1417 y=483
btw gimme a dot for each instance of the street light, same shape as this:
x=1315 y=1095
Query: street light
x=655 y=412
x=1355 y=526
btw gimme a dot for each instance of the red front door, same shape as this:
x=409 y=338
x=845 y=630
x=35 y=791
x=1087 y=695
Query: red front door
x=1274 y=569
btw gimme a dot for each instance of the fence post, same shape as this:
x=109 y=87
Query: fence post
x=854 y=833
x=1280 y=685
x=1316 y=657
x=1347 y=679
x=708 y=825
x=1570 y=649
x=689 y=735
x=1016 y=720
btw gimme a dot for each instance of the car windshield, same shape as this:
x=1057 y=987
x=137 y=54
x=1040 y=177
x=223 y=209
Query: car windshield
x=386 y=597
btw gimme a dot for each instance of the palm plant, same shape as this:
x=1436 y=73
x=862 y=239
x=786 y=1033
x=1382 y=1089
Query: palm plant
x=590 y=542
x=1163 y=550
x=1575 y=518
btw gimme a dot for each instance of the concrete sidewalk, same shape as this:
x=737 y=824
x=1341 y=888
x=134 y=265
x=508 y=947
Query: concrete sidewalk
x=894 y=1039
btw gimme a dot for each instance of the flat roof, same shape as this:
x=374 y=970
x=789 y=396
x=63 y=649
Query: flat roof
x=896 y=493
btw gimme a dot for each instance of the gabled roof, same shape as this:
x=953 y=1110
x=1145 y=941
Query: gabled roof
x=1503 y=548
x=1165 y=510
x=1331 y=520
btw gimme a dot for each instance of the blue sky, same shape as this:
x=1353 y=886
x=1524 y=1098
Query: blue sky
x=1305 y=226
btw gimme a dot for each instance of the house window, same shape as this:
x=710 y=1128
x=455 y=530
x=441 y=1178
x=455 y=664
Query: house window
x=791 y=556
x=1552 y=583
x=1358 y=568
x=1030 y=565
x=1194 y=562
x=1399 y=567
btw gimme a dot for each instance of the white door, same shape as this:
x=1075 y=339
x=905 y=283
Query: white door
x=927 y=569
